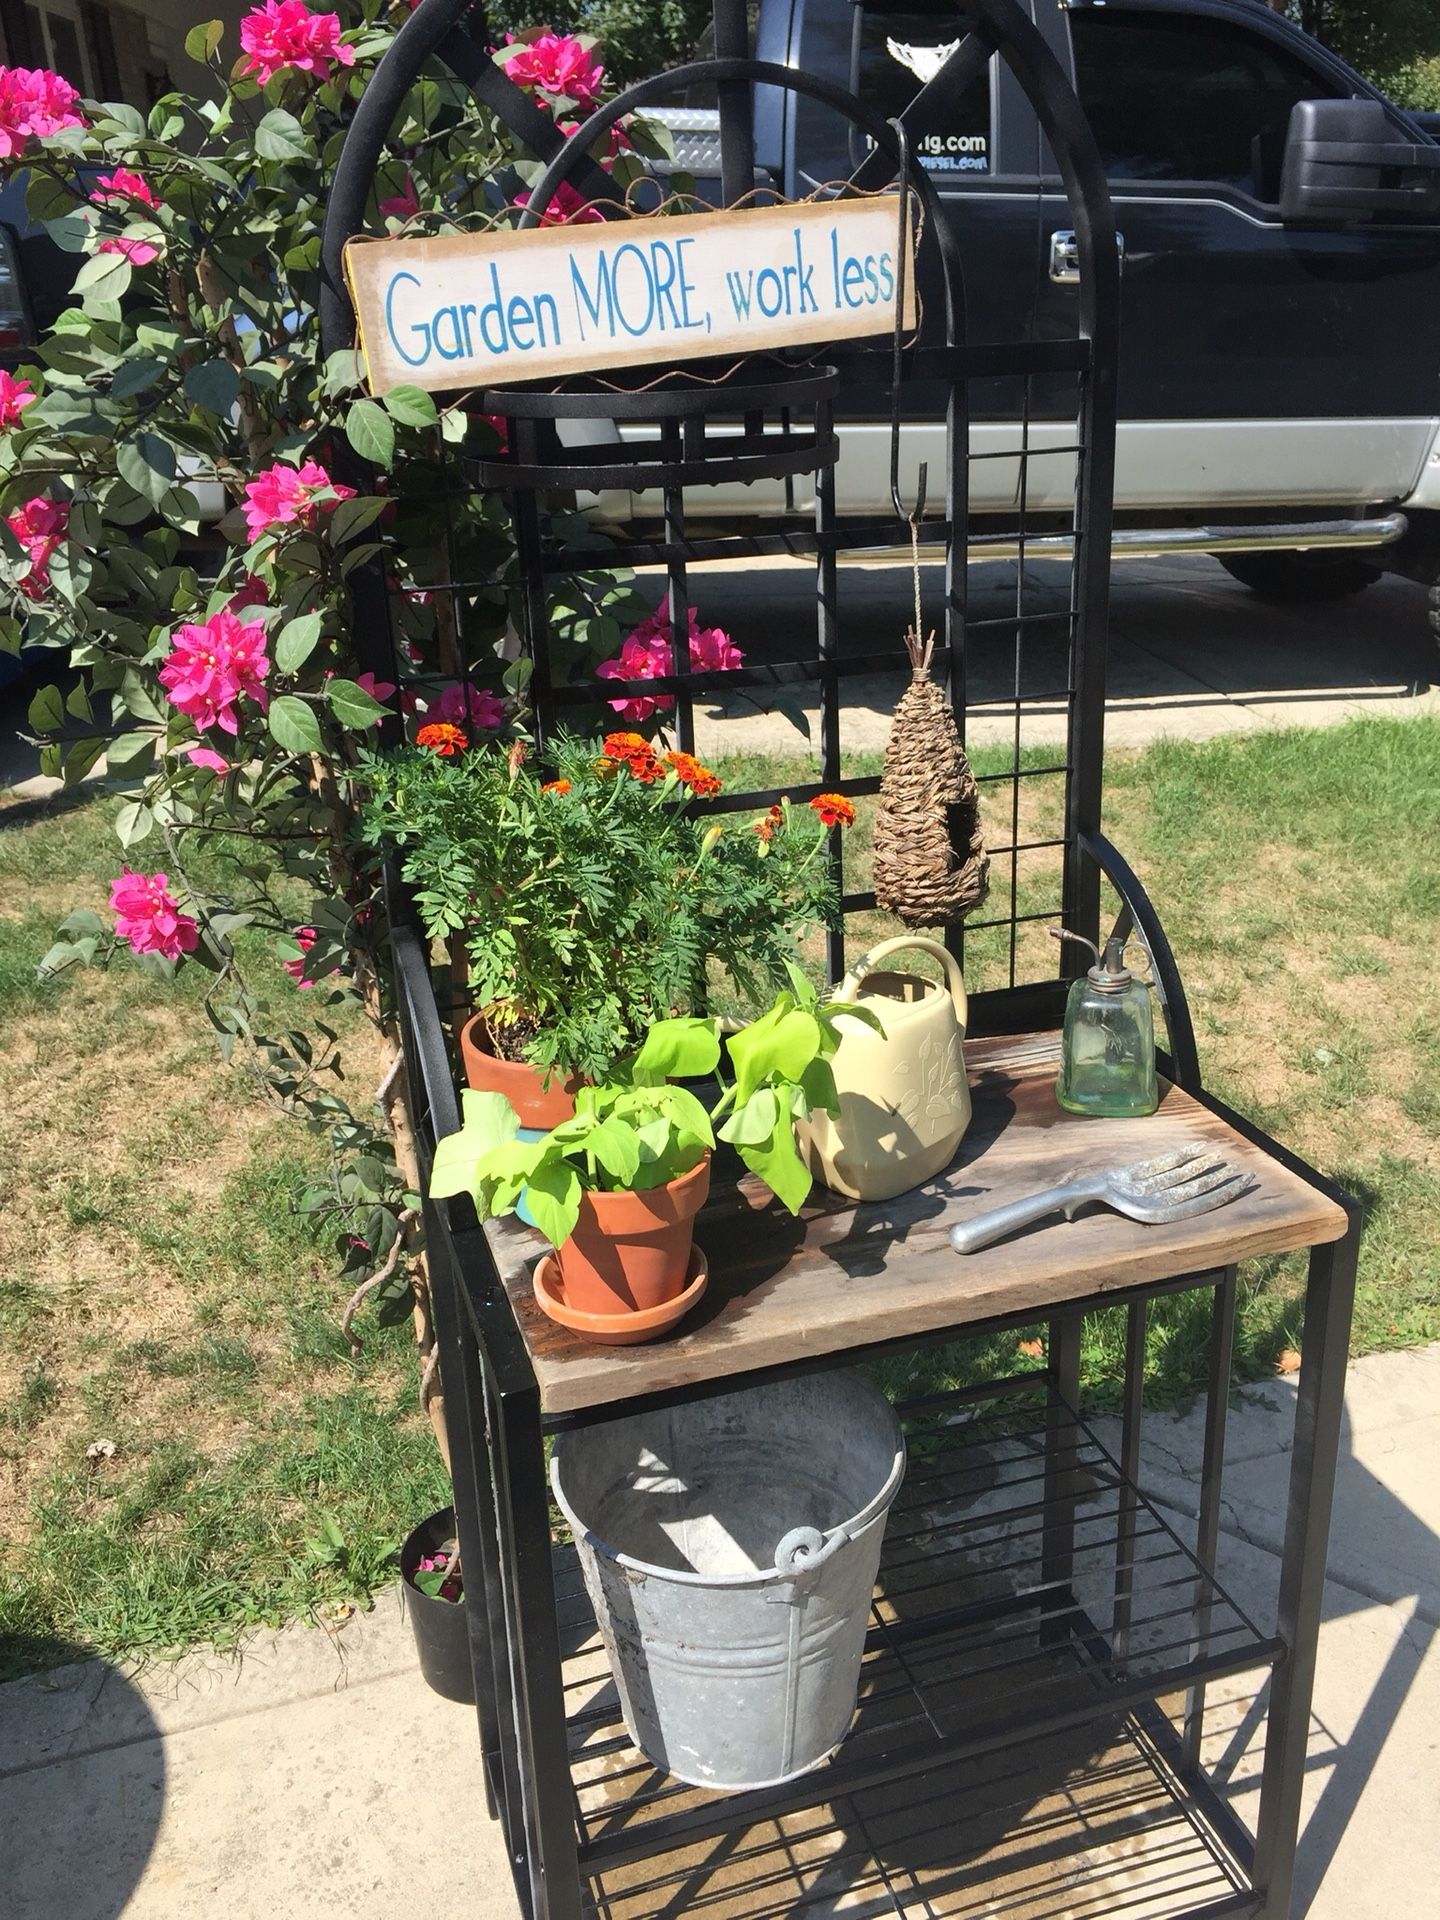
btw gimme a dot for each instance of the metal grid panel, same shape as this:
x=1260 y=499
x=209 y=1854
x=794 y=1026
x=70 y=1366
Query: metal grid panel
x=973 y=1648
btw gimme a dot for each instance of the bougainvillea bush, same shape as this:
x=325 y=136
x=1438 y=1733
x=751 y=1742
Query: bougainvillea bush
x=191 y=492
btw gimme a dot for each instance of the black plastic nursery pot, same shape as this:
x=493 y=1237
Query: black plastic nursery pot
x=442 y=1627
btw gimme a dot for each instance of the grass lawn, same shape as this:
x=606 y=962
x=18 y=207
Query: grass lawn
x=156 y=1290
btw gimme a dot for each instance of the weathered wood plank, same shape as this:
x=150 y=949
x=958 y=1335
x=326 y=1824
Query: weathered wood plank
x=844 y=1275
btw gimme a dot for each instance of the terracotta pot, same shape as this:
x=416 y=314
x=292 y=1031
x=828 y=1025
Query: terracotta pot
x=631 y=1251
x=538 y=1104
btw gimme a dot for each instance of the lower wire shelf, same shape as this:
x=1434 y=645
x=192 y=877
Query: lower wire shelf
x=1031 y=1608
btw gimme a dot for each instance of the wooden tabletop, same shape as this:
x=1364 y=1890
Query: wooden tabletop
x=843 y=1275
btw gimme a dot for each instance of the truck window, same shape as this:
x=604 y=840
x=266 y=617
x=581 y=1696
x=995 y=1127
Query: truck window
x=1176 y=98
x=895 y=51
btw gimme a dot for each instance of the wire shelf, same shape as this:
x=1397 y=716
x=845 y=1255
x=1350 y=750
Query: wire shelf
x=976 y=1645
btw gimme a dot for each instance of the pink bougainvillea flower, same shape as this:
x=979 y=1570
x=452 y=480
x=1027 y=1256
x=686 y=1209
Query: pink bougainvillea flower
x=305 y=938
x=119 y=188
x=566 y=208
x=147 y=916
x=207 y=758
x=34 y=103
x=15 y=396
x=39 y=526
x=459 y=706
x=284 y=36
x=284 y=496
x=556 y=63
x=403 y=206
x=138 y=252
x=254 y=593
x=377 y=689
x=211 y=666
x=645 y=655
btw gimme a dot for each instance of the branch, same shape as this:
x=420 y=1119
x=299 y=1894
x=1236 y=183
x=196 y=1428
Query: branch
x=378 y=1279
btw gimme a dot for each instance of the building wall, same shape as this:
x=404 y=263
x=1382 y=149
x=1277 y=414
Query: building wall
x=110 y=50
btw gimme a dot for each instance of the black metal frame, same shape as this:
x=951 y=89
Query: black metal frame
x=560 y=1858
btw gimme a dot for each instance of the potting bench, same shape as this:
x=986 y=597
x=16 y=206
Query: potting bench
x=1031 y=1733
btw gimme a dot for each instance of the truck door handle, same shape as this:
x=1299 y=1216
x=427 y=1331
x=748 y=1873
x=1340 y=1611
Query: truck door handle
x=1065 y=257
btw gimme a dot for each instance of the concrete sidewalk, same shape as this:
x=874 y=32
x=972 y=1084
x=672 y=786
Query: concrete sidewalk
x=318 y=1773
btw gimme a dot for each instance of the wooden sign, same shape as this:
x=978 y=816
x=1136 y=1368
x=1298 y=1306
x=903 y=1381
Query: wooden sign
x=467 y=310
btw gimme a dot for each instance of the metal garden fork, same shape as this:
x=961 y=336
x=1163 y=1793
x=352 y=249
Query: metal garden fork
x=1175 y=1186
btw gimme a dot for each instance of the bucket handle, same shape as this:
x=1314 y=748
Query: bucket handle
x=805 y=1549
x=849 y=987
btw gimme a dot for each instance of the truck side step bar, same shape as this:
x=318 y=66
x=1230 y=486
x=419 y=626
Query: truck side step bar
x=1136 y=543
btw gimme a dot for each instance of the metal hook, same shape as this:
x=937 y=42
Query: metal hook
x=902 y=256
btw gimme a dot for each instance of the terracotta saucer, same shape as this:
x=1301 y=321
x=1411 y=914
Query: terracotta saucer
x=618 y=1329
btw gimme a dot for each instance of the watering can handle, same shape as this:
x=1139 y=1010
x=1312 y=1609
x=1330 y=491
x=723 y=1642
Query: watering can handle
x=849 y=987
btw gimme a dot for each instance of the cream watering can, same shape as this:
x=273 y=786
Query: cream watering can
x=904 y=1097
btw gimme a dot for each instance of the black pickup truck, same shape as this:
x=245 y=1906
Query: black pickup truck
x=1280 y=357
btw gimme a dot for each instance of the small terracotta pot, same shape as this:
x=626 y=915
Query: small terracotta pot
x=631 y=1251
x=538 y=1104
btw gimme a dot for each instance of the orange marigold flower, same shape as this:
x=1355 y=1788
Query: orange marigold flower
x=692 y=773
x=766 y=828
x=834 y=809
x=444 y=739
x=627 y=746
x=607 y=768
x=556 y=786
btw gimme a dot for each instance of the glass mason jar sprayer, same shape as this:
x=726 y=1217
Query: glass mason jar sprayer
x=1107 y=1050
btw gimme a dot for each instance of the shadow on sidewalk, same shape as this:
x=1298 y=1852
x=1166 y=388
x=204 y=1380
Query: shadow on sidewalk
x=82 y=1783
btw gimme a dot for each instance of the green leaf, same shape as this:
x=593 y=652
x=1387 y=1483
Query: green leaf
x=754 y=1123
x=280 y=136
x=83 y=921
x=782 y=1042
x=104 y=276
x=147 y=463
x=552 y=1195
x=133 y=823
x=411 y=407
x=201 y=41
x=684 y=1049
x=371 y=432
x=779 y=1165
x=135 y=376
x=817 y=1083
x=47 y=710
x=296 y=641
x=293 y=724
x=214 y=385
x=130 y=757
x=615 y=1149
x=77 y=702
x=352 y=705
x=353 y=516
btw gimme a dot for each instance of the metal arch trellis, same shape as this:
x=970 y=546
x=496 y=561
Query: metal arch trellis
x=684 y=450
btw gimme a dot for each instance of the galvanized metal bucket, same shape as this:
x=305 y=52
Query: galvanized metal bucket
x=729 y=1548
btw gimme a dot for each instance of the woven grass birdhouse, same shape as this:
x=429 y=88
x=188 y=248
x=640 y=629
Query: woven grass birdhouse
x=931 y=867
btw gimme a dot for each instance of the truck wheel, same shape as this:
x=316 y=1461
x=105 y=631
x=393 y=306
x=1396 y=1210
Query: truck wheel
x=1296 y=577
x=1435 y=613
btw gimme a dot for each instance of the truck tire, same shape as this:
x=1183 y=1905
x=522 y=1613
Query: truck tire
x=1296 y=577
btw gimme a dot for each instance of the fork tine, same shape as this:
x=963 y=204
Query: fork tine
x=1224 y=1176
x=1213 y=1197
x=1163 y=1163
x=1188 y=1168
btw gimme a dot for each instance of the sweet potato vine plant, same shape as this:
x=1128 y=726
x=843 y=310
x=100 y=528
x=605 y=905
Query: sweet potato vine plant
x=215 y=671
